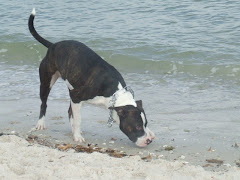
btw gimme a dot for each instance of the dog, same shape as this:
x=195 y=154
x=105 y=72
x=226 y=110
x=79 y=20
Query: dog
x=89 y=79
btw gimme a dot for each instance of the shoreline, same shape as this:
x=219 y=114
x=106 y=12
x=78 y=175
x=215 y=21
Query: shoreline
x=21 y=119
x=23 y=160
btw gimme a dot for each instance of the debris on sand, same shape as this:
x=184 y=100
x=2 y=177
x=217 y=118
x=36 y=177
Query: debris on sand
x=113 y=139
x=168 y=148
x=237 y=163
x=148 y=158
x=78 y=148
x=207 y=165
x=216 y=161
x=57 y=118
x=36 y=139
x=235 y=145
x=211 y=150
x=64 y=147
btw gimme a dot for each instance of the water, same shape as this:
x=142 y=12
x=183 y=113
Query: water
x=181 y=58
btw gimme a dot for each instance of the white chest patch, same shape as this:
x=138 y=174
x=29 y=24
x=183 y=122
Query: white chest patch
x=99 y=101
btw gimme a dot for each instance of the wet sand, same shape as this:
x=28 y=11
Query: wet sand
x=21 y=115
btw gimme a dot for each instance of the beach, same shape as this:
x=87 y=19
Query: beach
x=22 y=160
x=50 y=154
x=180 y=58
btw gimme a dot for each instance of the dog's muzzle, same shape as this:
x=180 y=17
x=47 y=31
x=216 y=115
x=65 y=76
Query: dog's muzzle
x=145 y=139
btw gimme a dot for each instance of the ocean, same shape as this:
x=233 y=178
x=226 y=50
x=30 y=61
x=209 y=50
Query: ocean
x=182 y=58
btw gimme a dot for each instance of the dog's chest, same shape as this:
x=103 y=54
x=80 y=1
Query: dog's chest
x=99 y=101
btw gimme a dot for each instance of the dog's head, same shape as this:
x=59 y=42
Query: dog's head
x=133 y=123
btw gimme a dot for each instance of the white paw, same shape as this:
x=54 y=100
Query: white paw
x=78 y=138
x=41 y=124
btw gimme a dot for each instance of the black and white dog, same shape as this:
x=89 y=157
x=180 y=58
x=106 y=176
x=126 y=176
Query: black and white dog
x=89 y=79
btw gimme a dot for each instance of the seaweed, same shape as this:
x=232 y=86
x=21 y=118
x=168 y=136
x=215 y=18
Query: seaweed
x=90 y=148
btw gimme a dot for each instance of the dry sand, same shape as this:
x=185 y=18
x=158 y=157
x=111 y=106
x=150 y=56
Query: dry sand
x=21 y=160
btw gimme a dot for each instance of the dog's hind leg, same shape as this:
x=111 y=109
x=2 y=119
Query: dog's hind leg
x=47 y=79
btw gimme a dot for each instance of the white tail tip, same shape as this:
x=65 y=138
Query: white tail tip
x=33 y=12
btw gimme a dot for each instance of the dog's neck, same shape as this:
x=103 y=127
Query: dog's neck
x=122 y=97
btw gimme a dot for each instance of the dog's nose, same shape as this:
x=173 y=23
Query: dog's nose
x=149 y=141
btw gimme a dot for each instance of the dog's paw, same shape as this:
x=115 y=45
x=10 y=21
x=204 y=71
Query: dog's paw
x=41 y=124
x=78 y=138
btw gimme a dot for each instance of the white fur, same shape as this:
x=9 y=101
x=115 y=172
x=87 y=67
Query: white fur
x=143 y=118
x=33 y=12
x=70 y=87
x=142 y=141
x=120 y=85
x=99 y=101
x=54 y=78
x=41 y=124
x=76 y=122
x=124 y=97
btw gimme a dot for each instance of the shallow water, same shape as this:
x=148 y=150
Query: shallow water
x=181 y=59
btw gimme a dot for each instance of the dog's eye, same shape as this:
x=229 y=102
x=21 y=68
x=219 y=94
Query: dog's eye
x=139 y=128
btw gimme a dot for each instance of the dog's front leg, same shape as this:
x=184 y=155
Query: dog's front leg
x=76 y=121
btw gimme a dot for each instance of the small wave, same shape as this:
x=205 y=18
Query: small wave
x=3 y=50
x=164 y=67
x=16 y=53
x=132 y=60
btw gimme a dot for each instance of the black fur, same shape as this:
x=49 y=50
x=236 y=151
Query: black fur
x=89 y=75
x=86 y=71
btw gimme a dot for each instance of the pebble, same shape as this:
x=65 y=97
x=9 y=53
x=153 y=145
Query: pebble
x=29 y=114
x=182 y=157
x=228 y=165
x=13 y=132
x=153 y=154
x=102 y=150
x=111 y=142
x=160 y=156
x=104 y=143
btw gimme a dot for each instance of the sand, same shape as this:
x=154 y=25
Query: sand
x=21 y=160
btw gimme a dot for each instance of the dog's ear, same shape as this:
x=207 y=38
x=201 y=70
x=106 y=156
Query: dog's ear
x=120 y=111
x=139 y=104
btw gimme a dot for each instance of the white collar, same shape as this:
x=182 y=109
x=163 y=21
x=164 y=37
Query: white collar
x=122 y=97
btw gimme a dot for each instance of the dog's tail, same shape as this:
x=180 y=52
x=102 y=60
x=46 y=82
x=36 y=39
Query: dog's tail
x=34 y=32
